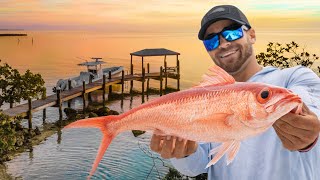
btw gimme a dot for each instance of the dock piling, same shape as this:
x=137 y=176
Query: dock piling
x=110 y=86
x=69 y=87
x=161 y=76
x=89 y=94
x=122 y=84
x=104 y=91
x=148 y=80
x=84 y=95
x=178 y=74
x=143 y=80
x=59 y=102
x=131 y=82
x=29 y=114
x=44 y=111
x=166 y=77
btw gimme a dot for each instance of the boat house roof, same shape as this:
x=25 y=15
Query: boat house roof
x=154 y=52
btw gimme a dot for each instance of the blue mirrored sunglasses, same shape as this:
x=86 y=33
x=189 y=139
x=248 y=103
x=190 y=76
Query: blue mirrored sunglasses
x=230 y=33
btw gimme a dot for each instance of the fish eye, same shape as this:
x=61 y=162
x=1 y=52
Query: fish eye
x=264 y=94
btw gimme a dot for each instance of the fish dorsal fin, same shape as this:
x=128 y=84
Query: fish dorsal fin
x=216 y=76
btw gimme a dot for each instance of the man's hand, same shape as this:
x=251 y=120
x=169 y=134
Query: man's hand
x=172 y=147
x=298 y=131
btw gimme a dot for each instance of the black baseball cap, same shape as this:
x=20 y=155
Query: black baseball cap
x=219 y=13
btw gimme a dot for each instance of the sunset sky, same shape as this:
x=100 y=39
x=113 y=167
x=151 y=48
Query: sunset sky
x=150 y=15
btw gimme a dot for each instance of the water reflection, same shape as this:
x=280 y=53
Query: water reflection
x=30 y=150
x=59 y=133
x=71 y=157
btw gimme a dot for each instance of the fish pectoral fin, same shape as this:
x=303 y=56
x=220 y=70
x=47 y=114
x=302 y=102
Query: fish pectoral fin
x=225 y=117
x=232 y=152
x=220 y=151
x=230 y=120
x=216 y=76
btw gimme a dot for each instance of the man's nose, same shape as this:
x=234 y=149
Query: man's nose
x=223 y=43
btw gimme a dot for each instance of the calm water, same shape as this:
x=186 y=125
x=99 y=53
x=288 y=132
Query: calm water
x=54 y=55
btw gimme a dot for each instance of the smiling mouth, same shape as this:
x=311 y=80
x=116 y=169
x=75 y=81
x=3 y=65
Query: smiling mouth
x=229 y=53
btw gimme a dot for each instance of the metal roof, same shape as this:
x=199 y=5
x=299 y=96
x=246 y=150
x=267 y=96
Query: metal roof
x=154 y=52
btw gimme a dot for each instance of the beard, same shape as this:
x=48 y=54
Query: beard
x=237 y=64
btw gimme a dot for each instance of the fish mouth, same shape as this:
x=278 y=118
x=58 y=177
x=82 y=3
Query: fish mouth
x=282 y=102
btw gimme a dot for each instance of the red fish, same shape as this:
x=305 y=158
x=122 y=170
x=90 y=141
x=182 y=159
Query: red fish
x=217 y=110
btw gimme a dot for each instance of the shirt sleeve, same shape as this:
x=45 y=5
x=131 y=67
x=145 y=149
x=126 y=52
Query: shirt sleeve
x=306 y=84
x=195 y=163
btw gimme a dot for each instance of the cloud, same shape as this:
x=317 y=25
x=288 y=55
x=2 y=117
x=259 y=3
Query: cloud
x=143 y=14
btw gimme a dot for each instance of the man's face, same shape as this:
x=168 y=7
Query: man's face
x=233 y=56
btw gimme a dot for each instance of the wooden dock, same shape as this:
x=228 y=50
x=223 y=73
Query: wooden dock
x=56 y=100
x=52 y=100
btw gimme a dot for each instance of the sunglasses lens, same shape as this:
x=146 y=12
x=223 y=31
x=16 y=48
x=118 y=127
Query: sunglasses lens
x=212 y=43
x=229 y=34
x=232 y=35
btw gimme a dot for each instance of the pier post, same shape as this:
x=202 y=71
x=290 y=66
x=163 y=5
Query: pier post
x=44 y=115
x=131 y=66
x=142 y=64
x=161 y=75
x=104 y=91
x=143 y=80
x=90 y=79
x=69 y=87
x=122 y=84
x=131 y=82
x=148 y=81
x=89 y=94
x=84 y=95
x=178 y=74
x=59 y=102
x=29 y=114
x=110 y=86
x=166 y=77
x=44 y=111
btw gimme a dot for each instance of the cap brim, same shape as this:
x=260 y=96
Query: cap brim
x=204 y=28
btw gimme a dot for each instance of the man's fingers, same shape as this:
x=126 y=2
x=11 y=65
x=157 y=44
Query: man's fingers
x=191 y=147
x=170 y=146
x=180 y=148
x=308 y=120
x=167 y=147
x=294 y=131
x=295 y=120
x=287 y=140
x=155 y=143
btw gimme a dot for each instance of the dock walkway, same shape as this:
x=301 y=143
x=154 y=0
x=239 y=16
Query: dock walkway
x=78 y=91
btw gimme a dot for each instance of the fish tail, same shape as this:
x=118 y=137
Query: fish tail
x=108 y=131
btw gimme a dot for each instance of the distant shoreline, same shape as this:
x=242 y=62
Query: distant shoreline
x=8 y=34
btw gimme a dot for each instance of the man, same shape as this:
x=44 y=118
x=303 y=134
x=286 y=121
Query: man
x=290 y=149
